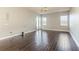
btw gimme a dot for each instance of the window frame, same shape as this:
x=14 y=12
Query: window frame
x=64 y=22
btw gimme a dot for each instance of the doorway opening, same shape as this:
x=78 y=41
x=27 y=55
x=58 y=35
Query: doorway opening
x=41 y=21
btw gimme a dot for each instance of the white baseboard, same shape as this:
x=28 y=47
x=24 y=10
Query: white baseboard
x=57 y=30
x=10 y=36
x=77 y=43
x=29 y=31
x=15 y=35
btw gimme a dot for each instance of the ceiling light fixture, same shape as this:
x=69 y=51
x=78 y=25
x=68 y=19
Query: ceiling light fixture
x=44 y=10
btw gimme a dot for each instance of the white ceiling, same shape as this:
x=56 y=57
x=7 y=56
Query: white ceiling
x=50 y=9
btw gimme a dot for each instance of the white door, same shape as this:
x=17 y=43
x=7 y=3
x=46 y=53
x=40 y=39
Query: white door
x=38 y=22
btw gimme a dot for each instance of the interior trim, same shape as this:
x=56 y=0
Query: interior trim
x=57 y=30
x=15 y=35
x=74 y=39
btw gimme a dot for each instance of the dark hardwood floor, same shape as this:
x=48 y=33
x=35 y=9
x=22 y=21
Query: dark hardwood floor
x=40 y=41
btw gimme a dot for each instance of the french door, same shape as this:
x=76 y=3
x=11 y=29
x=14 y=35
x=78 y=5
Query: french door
x=40 y=22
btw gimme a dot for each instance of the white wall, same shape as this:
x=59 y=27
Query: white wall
x=74 y=24
x=53 y=22
x=15 y=20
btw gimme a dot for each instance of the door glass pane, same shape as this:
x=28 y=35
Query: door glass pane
x=38 y=22
x=44 y=19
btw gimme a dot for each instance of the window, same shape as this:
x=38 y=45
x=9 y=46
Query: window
x=64 y=20
x=44 y=19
